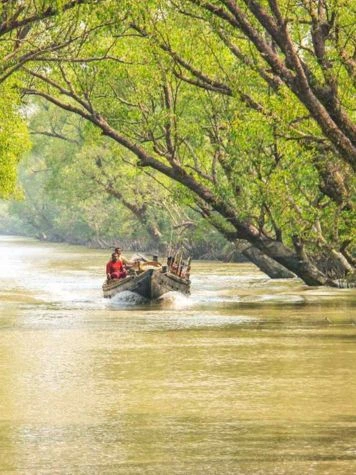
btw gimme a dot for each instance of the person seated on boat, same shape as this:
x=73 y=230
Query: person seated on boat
x=115 y=268
x=125 y=262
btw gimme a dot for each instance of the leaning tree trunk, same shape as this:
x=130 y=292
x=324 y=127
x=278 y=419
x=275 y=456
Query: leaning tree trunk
x=266 y=264
x=297 y=261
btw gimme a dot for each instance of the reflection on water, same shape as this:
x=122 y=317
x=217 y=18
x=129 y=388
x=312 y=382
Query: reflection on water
x=247 y=375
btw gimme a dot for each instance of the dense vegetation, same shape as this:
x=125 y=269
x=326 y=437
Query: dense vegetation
x=76 y=189
x=239 y=111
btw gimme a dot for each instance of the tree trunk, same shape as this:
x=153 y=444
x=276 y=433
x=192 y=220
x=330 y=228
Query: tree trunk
x=266 y=264
x=297 y=262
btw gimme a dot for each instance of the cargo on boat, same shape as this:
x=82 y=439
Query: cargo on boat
x=151 y=280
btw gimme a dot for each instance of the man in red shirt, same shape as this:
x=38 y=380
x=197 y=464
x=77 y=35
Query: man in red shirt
x=115 y=268
x=122 y=258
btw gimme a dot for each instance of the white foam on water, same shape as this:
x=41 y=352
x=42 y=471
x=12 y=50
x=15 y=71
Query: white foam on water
x=126 y=299
x=175 y=300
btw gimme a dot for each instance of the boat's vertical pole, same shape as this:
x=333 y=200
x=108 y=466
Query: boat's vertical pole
x=187 y=272
x=173 y=264
x=179 y=262
x=181 y=267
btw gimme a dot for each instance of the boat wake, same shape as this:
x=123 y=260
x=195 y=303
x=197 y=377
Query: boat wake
x=127 y=299
x=130 y=299
x=175 y=300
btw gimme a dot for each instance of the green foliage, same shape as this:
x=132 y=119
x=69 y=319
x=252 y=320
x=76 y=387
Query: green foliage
x=65 y=195
x=14 y=140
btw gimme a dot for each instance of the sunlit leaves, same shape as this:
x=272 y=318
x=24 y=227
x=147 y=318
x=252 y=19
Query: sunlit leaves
x=14 y=140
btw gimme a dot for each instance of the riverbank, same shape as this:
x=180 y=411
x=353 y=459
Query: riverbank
x=228 y=253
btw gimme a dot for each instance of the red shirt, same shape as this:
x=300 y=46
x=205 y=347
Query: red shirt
x=112 y=266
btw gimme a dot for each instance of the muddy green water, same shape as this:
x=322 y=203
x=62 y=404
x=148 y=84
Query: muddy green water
x=247 y=376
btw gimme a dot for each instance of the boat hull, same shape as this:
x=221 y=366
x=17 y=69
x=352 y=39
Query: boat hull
x=151 y=284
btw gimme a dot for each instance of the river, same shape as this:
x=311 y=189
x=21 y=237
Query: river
x=246 y=376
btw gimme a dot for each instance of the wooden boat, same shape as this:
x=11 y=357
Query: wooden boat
x=151 y=282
